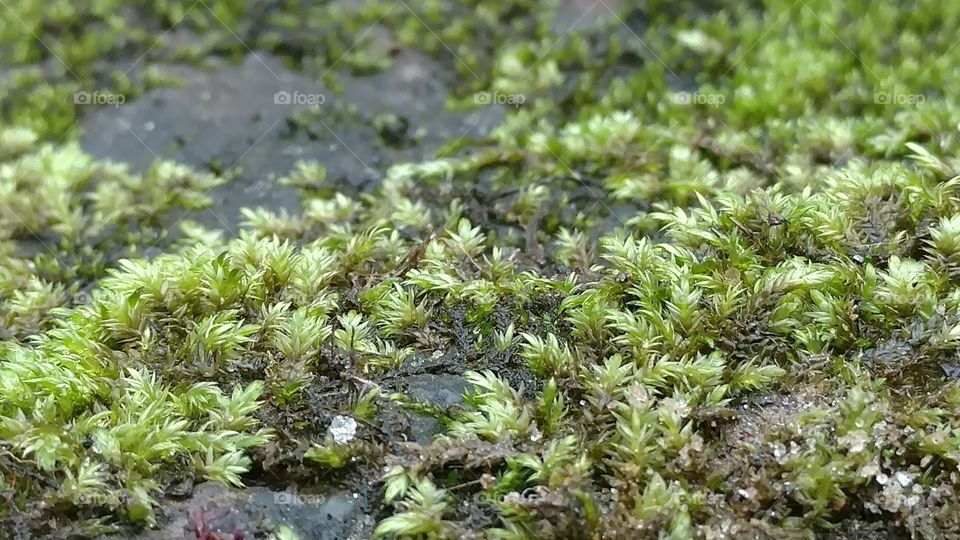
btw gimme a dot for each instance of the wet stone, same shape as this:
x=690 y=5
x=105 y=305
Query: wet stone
x=438 y=390
x=441 y=391
x=255 y=120
x=255 y=512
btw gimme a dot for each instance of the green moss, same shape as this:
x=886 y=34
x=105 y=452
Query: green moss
x=753 y=209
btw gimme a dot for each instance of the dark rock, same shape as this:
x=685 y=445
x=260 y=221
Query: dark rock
x=439 y=390
x=257 y=119
x=256 y=512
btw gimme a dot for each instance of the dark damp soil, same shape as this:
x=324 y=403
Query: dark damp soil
x=334 y=503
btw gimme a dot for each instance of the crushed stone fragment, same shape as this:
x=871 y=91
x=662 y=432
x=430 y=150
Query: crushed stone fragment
x=343 y=429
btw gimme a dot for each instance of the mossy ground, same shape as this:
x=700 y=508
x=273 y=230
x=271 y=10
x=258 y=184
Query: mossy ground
x=700 y=282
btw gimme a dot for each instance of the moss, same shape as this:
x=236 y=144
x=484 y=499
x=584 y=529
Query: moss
x=701 y=283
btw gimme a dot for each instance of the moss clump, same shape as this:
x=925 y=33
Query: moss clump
x=66 y=217
x=689 y=293
x=625 y=365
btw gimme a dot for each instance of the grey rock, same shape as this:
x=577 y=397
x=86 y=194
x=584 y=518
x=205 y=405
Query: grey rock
x=243 y=118
x=439 y=390
x=257 y=511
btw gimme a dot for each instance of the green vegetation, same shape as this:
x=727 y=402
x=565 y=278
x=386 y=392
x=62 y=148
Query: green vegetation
x=699 y=284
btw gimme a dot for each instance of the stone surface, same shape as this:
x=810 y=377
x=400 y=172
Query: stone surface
x=438 y=390
x=244 y=119
x=256 y=511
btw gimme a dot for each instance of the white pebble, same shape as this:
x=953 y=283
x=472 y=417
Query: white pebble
x=343 y=429
x=904 y=479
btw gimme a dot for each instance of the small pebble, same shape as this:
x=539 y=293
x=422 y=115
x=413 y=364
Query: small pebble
x=343 y=429
x=904 y=479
